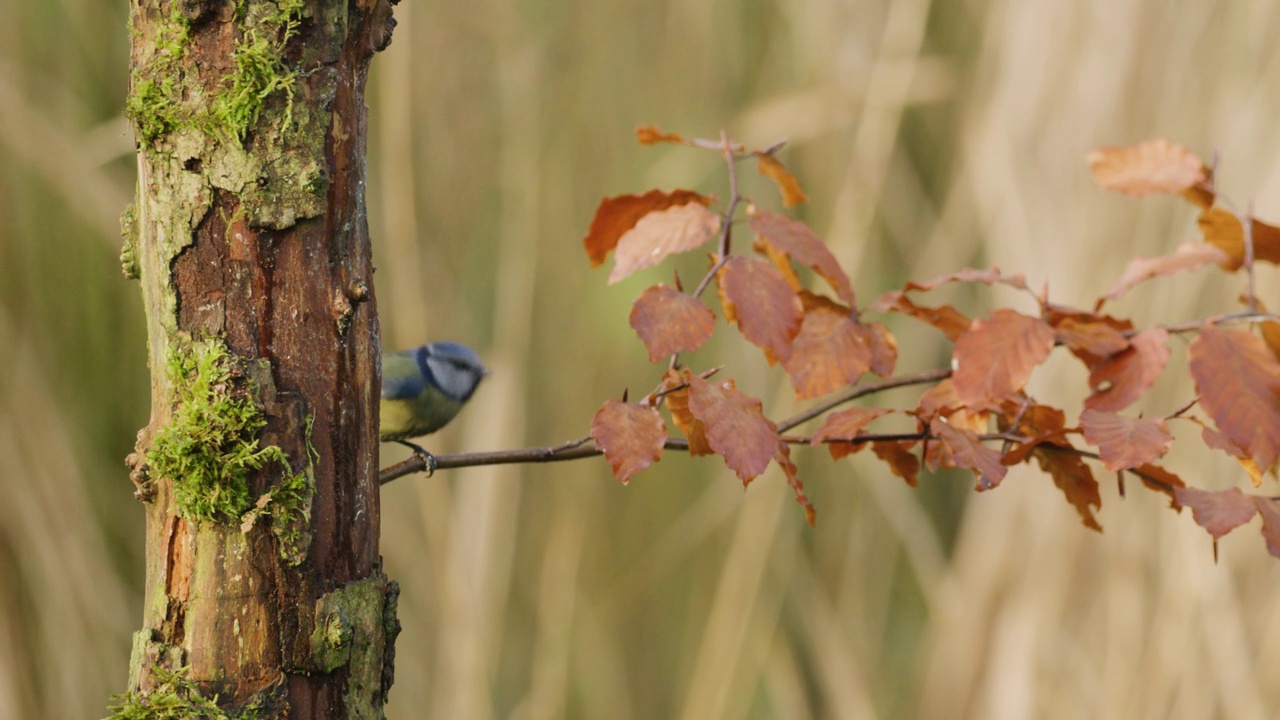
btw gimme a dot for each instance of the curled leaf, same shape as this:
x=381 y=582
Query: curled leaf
x=1156 y=166
x=1188 y=256
x=1121 y=379
x=795 y=240
x=770 y=167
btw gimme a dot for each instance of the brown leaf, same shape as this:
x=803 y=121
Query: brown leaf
x=651 y=135
x=845 y=425
x=736 y=426
x=1223 y=229
x=1217 y=511
x=1074 y=478
x=630 y=435
x=1161 y=480
x=669 y=321
x=990 y=276
x=616 y=215
x=947 y=319
x=782 y=456
x=795 y=240
x=884 y=349
x=1155 y=166
x=1217 y=441
x=756 y=297
x=1090 y=340
x=678 y=403
x=1238 y=380
x=1269 y=509
x=1125 y=442
x=967 y=451
x=770 y=167
x=831 y=351
x=995 y=358
x=1120 y=380
x=1187 y=256
x=901 y=461
x=660 y=233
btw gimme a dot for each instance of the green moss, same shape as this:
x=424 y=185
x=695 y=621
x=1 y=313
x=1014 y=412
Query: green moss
x=352 y=631
x=129 y=244
x=163 y=99
x=210 y=447
x=172 y=697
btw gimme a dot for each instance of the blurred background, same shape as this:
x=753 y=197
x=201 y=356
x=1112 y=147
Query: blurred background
x=929 y=135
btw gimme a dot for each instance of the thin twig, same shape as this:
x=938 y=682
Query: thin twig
x=862 y=391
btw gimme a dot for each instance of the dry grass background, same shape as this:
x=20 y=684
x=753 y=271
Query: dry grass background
x=931 y=135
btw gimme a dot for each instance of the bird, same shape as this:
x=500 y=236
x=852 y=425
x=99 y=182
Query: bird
x=423 y=388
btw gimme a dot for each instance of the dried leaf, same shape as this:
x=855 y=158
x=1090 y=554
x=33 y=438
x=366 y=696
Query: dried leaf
x=756 y=297
x=995 y=358
x=832 y=349
x=782 y=456
x=1155 y=166
x=1120 y=380
x=1074 y=478
x=669 y=321
x=947 y=319
x=795 y=240
x=1125 y=442
x=898 y=456
x=1188 y=256
x=1223 y=229
x=1238 y=380
x=1090 y=340
x=630 y=435
x=616 y=215
x=678 y=403
x=1161 y=480
x=770 y=167
x=1217 y=511
x=660 y=233
x=884 y=349
x=1217 y=441
x=967 y=451
x=736 y=426
x=651 y=135
x=990 y=276
x=1269 y=509
x=845 y=425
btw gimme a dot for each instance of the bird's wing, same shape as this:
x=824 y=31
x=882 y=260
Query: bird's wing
x=401 y=378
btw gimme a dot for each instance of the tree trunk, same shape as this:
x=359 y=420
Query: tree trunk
x=264 y=589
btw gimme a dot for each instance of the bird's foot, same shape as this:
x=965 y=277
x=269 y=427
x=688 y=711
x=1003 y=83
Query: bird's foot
x=427 y=458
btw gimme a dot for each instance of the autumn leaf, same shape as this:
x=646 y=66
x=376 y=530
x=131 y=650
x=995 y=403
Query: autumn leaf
x=1223 y=229
x=652 y=135
x=1090 y=340
x=1217 y=511
x=1161 y=480
x=948 y=320
x=964 y=449
x=782 y=456
x=845 y=425
x=1125 y=442
x=677 y=396
x=756 y=297
x=1074 y=478
x=990 y=276
x=898 y=456
x=884 y=349
x=630 y=435
x=770 y=167
x=795 y=240
x=736 y=427
x=1120 y=380
x=1187 y=256
x=669 y=321
x=677 y=229
x=941 y=400
x=1269 y=509
x=832 y=349
x=1217 y=441
x=616 y=215
x=1238 y=380
x=995 y=358
x=1156 y=166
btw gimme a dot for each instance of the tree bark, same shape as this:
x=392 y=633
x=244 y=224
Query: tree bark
x=258 y=468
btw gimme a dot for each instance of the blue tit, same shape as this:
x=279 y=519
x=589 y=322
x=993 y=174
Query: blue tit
x=423 y=389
